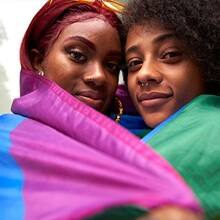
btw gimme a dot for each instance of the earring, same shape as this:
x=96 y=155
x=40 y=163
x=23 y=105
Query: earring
x=41 y=73
x=119 y=108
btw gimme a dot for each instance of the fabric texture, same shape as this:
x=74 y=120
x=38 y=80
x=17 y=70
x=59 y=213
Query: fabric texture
x=191 y=143
x=189 y=140
x=60 y=159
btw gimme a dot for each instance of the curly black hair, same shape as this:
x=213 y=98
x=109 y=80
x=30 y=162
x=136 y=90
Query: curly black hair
x=195 y=22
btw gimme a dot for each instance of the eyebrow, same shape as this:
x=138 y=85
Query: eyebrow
x=131 y=49
x=92 y=45
x=164 y=37
x=158 y=39
x=83 y=40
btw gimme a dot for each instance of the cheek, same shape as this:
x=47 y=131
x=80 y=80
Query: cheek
x=59 y=69
x=189 y=73
x=112 y=83
x=188 y=87
x=52 y=66
x=131 y=86
x=112 y=90
x=57 y=61
x=180 y=86
x=58 y=75
x=62 y=75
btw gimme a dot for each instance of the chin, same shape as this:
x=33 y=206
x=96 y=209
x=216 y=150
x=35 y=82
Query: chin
x=154 y=119
x=156 y=116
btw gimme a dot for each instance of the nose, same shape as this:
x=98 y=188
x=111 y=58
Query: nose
x=96 y=75
x=149 y=73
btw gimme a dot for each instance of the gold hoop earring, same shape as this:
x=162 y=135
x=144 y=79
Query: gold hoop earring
x=119 y=109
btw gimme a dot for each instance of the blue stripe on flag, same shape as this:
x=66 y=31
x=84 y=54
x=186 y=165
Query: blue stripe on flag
x=11 y=176
x=147 y=137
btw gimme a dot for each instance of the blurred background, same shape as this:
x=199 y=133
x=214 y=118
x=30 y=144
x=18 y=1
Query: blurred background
x=15 y=15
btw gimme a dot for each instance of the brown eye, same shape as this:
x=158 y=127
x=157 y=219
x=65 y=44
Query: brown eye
x=134 y=64
x=113 y=67
x=77 y=56
x=171 y=56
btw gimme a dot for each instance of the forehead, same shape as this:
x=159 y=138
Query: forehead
x=149 y=32
x=92 y=29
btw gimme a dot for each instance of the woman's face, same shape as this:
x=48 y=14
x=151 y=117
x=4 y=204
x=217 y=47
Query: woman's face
x=85 y=61
x=162 y=75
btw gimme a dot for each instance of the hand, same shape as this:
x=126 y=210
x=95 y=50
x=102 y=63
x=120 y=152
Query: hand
x=171 y=213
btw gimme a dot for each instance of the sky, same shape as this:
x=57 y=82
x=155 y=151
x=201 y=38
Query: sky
x=15 y=15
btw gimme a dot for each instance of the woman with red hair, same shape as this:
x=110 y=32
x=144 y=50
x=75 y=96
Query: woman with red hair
x=64 y=43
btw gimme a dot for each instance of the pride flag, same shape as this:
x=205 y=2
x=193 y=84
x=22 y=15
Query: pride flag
x=60 y=159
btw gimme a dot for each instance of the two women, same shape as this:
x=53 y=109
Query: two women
x=61 y=159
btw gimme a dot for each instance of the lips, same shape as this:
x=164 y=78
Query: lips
x=92 y=98
x=153 y=95
x=91 y=94
x=152 y=99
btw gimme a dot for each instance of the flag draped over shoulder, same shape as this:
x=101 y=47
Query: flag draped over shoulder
x=60 y=159
x=190 y=141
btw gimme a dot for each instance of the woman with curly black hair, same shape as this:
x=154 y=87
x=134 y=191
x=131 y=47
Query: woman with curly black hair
x=173 y=78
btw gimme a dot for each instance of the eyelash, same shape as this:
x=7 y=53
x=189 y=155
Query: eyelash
x=113 y=67
x=173 y=56
x=133 y=64
x=77 y=56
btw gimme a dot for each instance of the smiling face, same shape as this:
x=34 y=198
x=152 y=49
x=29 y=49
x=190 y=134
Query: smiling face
x=85 y=61
x=162 y=75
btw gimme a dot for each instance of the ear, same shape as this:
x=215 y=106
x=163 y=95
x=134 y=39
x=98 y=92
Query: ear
x=36 y=59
